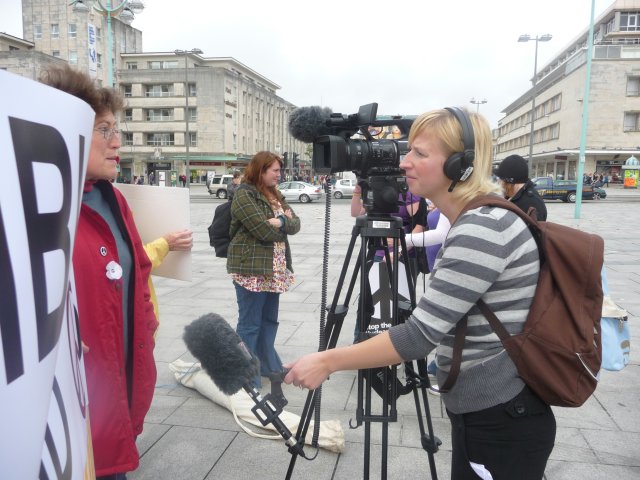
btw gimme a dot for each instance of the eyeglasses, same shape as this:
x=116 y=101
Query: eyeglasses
x=107 y=133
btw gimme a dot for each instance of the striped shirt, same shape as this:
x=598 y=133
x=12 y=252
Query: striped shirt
x=489 y=254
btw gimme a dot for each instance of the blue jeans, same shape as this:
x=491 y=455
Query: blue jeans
x=258 y=326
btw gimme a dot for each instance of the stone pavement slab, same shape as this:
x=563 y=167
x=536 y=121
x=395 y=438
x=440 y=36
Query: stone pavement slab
x=188 y=437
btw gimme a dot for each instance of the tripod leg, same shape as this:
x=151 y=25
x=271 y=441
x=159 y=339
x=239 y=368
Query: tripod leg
x=420 y=380
x=330 y=335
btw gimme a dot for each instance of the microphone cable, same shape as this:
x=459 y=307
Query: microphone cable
x=322 y=341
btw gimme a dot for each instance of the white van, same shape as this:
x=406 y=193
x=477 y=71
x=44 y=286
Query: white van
x=218 y=185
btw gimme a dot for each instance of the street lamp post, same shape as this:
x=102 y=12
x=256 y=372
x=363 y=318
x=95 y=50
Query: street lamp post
x=125 y=11
x=477 y=103
x=526 y=38
x=187 y=140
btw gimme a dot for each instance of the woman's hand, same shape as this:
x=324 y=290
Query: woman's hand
x=308 y=371
x=180 y=240
x=274 y=222
x=288 y=214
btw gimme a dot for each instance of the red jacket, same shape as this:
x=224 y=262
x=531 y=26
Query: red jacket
x=116 y=411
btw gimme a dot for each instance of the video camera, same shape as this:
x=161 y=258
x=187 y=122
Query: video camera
x=374 y=160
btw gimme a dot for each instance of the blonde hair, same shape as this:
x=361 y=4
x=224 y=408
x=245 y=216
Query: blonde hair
x=443 y=125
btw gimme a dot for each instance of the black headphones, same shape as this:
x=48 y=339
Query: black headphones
x=459 y=166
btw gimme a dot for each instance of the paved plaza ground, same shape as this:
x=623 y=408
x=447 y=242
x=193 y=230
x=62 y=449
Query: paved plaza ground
x=189 y=437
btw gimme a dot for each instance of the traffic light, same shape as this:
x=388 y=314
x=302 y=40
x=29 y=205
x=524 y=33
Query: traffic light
x=285 y=157
x=296 y=161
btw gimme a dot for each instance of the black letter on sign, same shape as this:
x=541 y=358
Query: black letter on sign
x=47 y=232
x=62 y=466
x=9 y=324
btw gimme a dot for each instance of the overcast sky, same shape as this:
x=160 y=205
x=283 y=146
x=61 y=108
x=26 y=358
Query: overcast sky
x=408 y=57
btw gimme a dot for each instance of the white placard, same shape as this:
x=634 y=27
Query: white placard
x=158 y=211
x=45 y=136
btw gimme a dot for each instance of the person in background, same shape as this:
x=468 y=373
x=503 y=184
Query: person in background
x=513 y=173
x=498 y=424
x=431 y=240
x=158 y=249
x=235 y=183
x=259 y=257
x=114 y=307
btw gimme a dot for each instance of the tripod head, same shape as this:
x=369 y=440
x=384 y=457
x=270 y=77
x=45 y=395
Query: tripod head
x=380 y=193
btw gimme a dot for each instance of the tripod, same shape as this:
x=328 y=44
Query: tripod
x=373 y=232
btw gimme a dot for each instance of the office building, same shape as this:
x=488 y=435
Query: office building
x=613 y=133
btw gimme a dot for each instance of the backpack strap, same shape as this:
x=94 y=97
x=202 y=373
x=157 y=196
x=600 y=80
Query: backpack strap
x=456 y=360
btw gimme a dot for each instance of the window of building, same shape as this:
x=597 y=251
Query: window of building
x=127 y=90
x=99 y=59
x=160 y=139
x=160 y=65
x=56 y=53
x=165 y=90
x=55 y=30
x=193 y=139
x=73 y=57
x=193 y=114
x=630 y=21
x=128 y=114
x=192 y=90
x=159 y=114
x=98 y=33
x=127 y=138
x=132 y=65
x=631 y=121
x=633 y=86
x=37 y=32
x=72 y=30
x=12 y=48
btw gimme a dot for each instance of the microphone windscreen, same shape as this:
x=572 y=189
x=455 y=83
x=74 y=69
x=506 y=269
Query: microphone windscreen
x=221 y=353
x=308 y=123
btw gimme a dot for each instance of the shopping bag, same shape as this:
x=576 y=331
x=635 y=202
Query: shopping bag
x=616 y=339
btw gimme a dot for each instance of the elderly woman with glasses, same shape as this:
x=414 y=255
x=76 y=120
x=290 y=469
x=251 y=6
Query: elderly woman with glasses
x=114 y=308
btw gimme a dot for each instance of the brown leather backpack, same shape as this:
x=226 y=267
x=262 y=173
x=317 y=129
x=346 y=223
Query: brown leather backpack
x=559 y=352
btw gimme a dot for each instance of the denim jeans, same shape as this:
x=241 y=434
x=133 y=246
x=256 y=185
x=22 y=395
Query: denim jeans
x=512 y=440
x=258 y=326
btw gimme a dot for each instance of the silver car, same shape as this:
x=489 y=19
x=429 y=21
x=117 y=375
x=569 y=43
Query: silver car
x=300 y=191
x=344 y=188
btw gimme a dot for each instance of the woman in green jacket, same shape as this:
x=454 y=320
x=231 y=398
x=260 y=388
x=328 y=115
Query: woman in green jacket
x=259 y=257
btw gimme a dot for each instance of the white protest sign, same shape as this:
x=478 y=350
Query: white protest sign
x=157 y=211
x=45 y=137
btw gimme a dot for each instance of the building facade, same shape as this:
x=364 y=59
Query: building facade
x=182 y=108
x=226 y=113
x=613 y=133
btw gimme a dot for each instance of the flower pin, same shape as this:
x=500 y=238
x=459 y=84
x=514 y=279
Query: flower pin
x=114 y=270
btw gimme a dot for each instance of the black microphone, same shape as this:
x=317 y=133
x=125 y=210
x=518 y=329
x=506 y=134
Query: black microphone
x=231 y=366
x=308 y=123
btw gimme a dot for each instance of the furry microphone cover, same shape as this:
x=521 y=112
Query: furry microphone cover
x=221 y=352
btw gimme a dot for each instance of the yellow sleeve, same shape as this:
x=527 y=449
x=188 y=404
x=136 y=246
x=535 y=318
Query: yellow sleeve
x=156 y=251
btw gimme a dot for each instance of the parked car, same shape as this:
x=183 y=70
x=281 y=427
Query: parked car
x=300 y=191
x=344 y=188
x=218 y=185
x=565 y=190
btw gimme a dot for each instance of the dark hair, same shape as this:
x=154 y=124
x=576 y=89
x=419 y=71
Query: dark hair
x=81 y=85
x=513 y=169
x=260 y=162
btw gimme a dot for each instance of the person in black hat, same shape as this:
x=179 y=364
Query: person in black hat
x=513 y=173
